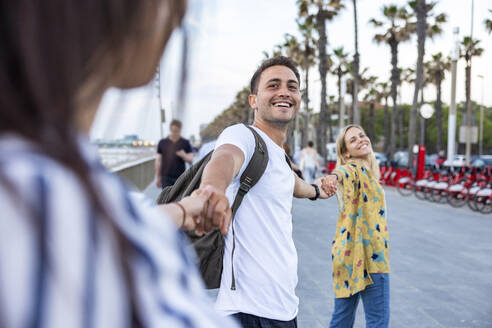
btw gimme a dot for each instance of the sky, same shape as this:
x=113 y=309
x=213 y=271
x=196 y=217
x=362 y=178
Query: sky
x=227 y=40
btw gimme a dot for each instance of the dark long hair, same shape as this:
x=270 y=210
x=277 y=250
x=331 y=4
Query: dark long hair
x=48 y=51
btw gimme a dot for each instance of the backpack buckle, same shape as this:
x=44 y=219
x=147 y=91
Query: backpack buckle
x=244 y=188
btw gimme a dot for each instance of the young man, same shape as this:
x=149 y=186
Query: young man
x=259 y=249
x=172 y=153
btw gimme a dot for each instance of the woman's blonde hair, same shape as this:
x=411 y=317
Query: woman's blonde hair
x=371 y=163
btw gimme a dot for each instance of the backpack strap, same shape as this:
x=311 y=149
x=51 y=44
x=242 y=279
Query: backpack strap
x=252 y=173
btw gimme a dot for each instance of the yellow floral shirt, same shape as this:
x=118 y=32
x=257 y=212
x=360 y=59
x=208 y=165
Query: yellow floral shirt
x=361 y=242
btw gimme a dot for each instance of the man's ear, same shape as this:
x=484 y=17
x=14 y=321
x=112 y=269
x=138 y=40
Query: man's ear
x=252 y=101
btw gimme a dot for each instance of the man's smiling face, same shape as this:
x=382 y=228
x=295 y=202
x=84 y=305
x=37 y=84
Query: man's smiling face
x=278 y=98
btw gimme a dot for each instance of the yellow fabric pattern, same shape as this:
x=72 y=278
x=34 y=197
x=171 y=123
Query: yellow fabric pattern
x=361 y=242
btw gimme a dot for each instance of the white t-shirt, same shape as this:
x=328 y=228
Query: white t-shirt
x=265 y=258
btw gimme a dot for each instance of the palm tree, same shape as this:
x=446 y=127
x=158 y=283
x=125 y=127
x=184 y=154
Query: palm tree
x=407 y=75
x=324 y=10
x=341 y=68
x=436 y=70
x=355 y=70
x=471 y=49
x=308 y=59
x=385 y=91
x=398 y=28
x=424 y=29
x=488 y=23
x=372 y=96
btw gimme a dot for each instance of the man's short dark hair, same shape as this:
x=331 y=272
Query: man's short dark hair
x=176 y=123
x=274 y=61
x=310 y=143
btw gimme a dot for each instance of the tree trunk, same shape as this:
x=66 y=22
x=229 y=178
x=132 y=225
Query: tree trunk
x=323 y=70
x=395 y=81
x=386 y=125
x=329 y=111
x=305 y=118
x=401 y=115
x=468 y=106
x=438 y=111
x=421 y=28
x=355 y=72
x=339 y=85
x=371 y=121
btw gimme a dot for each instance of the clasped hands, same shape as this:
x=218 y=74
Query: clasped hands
x=207 y=208
x=328 y=185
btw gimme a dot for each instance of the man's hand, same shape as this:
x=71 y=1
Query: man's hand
x=216 y=212
x=181 y=153
x=194 y=205
x=187 y=157
x=329 y=183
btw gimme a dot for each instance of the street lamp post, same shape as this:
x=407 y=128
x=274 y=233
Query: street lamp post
x=468 y=57
x=452 y=107
x=426 y=112
x=480 y=145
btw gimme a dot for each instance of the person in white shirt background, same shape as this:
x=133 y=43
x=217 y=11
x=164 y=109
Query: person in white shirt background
x=309 y=164
x=76 y=250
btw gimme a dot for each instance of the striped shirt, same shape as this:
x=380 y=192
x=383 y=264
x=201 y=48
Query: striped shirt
x=77 y=279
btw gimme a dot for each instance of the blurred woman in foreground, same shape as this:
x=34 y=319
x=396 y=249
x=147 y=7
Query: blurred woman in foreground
x=75 y=249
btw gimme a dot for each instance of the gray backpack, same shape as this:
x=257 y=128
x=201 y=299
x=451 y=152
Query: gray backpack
x=210 y=247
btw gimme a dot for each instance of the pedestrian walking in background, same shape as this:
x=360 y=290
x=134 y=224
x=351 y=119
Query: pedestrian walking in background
x=173 y=153
x=76 y=250
x=309 y=163
x=259 y=274
x=360 y=249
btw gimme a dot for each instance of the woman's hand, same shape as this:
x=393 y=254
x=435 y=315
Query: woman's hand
x=194 y=206
x=216 y=212
x=187 y=213
x=329 y=183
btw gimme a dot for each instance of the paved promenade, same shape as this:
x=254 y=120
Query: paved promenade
x=441 y=260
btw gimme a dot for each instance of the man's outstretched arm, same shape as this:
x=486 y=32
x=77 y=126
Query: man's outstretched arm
x=302 y=189
x=224 y=165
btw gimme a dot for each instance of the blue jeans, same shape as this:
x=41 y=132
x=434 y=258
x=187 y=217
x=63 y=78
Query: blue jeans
x=375 y=298
x=252 y=321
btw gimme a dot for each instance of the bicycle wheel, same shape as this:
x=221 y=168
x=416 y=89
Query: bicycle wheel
x=471 y=204
x=428 y=194
x=487 y=208
x=405 y=189
x=438 y=196
x=479 y=202
x=420 y=192
x=484 y=200
x=456 y=199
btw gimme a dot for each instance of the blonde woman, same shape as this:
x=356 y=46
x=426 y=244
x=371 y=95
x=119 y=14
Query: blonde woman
x=360 y=249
